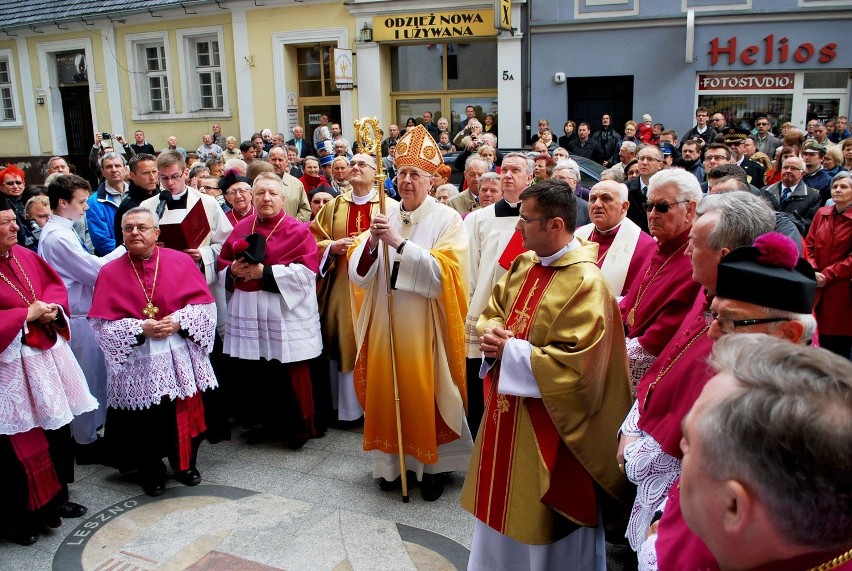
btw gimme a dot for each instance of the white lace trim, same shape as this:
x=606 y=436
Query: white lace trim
x=630 y=426
x=41 y=388
x=140 y=376
x=653 y=471
x=200 y=322
x=648 y=554
x=640 y=361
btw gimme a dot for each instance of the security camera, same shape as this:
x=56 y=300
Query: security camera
x=559 y=77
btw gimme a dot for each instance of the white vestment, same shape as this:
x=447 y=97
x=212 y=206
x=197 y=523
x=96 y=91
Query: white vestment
x=418 y=283
x=488 y=236
x=60 y=246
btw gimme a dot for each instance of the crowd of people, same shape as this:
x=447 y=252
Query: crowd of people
x=661 y=360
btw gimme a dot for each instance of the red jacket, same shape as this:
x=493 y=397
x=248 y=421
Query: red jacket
x=829 y=246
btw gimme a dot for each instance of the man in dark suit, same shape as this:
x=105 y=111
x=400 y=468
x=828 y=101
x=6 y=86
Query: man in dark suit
x=303 y=146
x=793 y=196
x=650 y=160
x=734 y=139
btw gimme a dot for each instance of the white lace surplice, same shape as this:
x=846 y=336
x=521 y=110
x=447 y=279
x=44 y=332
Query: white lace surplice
x=652 y=470
x=140 y=375
x=41 y=388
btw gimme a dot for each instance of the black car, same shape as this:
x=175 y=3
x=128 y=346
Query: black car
x=590 y=171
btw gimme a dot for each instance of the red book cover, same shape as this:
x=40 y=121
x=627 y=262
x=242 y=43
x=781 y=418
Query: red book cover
x=188 y=234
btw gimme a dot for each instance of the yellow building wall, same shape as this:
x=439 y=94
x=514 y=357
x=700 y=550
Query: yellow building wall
x=14 y=141
x=188 y=131
x=261 y=25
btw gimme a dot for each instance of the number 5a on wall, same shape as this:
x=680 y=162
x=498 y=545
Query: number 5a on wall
x=508 y=76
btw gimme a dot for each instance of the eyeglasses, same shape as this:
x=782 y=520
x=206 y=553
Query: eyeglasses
x=413 y=175
x=662 y=207
x=762 y=124
x=791 y=168
x=646 y=159
x=730 y=325
x=525 y=220
x=173 y=178
x=14 y=183
x=717 y=120
x=715 y=158
x=243 y=191
x=129 y=228
x=209 y=187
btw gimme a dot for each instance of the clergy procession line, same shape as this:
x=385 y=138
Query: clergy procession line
x=595 y=383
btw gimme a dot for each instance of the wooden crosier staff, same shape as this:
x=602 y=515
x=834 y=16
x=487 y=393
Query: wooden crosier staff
x=370 y=142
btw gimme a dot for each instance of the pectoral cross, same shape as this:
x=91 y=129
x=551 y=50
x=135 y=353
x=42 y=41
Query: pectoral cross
x=522 y=314
x=150 y=310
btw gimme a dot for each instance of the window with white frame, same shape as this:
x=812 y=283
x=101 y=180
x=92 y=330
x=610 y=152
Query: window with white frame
x=151 y=80
x=208 y=72
x=156 y=75
x=7 y=91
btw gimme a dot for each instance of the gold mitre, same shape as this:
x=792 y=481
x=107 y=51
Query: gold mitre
x=417 y=148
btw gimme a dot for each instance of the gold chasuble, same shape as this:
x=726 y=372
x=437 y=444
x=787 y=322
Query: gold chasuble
x=428 y=336
x=339 y=219
x=541 y=467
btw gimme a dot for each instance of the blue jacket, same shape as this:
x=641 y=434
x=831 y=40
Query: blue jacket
x=100 y=218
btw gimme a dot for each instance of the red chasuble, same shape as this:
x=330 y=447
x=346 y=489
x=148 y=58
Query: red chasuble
x=658 y=304
x=118 y=294
x=48 y=287
x=672 y=384
x=288 y=241
x=494 y=480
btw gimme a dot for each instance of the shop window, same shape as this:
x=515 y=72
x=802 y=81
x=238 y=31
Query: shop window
x=742 y=110
x=314 y=65
x=832 y=80
x=7 y=91
x=440 y=67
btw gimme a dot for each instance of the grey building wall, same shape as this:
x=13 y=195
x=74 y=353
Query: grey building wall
x=651 y=47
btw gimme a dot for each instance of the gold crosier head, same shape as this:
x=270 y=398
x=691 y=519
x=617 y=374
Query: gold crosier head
x=370 y=143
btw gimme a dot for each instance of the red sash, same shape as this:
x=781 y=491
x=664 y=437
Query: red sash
x=358 y=219
x=190 y=423
x=33 y=452
x=570 y=490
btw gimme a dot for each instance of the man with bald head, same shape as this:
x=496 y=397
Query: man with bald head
x=335 y=228
x=622 y=246
x=468 y=200
x=295 y=198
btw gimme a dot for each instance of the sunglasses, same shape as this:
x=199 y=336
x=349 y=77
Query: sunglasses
x=662 y=207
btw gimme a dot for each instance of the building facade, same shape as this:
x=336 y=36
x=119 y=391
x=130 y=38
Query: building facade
x=788 y=58
x=176 y=68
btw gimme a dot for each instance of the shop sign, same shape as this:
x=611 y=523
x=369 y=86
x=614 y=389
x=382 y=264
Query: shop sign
x=434 y=25
x=740 y=82
x=770 y=50
x=503 y=15
x=343 y=76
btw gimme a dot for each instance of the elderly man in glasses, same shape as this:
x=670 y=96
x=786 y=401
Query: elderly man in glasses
x=650 y=160
x=792 y=195
x=661 y=297
x=758 y=291
x=651 y=432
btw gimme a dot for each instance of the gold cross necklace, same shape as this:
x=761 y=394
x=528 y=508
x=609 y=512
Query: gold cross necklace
x=149 y=310
x=26 y=279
